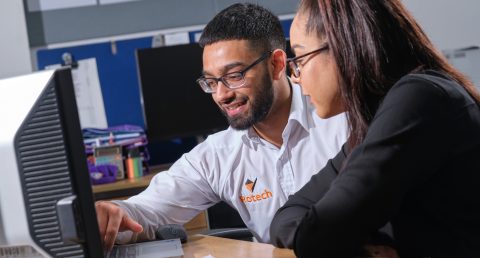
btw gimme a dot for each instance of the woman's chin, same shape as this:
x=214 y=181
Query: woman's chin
x=324 y=114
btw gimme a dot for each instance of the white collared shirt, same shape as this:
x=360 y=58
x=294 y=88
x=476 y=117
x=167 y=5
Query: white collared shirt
x=238 y=167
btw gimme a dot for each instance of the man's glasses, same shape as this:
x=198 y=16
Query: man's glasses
x=293 y=62
x=230 y=80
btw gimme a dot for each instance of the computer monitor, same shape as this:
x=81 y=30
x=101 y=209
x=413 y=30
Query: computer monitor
x=46 y=201
x=174 y=105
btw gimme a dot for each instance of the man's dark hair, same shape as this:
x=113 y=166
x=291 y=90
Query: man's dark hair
x=245 y=21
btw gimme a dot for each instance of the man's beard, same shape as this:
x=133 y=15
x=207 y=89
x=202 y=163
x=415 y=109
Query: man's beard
x=258 y=109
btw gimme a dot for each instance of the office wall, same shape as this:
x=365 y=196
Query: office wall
x=449 y=24
x=72 y=24
x=14 y=50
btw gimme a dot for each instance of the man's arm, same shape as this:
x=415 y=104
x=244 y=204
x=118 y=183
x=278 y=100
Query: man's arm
x=173 y=197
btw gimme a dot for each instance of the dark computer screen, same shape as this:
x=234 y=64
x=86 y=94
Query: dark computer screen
x=174 y=105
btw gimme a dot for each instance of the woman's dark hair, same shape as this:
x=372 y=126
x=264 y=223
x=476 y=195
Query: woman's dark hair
x=245 y=22
x=374 y=43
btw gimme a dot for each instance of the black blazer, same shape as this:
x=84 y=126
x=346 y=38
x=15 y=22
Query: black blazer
x=418 y=167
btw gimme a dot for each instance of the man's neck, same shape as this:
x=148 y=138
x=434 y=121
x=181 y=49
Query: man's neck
x=271 y=128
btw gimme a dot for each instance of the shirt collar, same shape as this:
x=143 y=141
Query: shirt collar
x=299 y=111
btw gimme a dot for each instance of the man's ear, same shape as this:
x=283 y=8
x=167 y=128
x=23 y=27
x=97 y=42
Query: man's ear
x=278 y=62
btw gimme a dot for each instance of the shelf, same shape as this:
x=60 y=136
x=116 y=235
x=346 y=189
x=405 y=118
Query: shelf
x=126 y=187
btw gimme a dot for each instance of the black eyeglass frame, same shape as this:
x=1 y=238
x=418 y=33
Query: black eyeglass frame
x=294 y=68
x=207 y=89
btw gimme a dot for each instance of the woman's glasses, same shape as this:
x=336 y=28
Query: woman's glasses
x=293 y=62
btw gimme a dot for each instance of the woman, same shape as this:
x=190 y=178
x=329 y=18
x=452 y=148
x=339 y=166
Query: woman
x=412 y=158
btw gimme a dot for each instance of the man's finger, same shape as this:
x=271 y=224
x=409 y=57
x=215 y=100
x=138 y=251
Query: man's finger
x=111 y=231
x=130 y=224
x=102 y=218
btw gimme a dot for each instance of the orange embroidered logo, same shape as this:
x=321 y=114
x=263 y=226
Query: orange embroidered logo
x=250 y=186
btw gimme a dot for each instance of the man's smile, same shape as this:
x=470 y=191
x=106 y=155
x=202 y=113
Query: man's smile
x=235 y=108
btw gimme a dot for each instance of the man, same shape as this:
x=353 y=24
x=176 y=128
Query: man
x=274 y=144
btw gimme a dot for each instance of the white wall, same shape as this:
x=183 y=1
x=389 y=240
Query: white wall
x=14 y=48
x=450 y=24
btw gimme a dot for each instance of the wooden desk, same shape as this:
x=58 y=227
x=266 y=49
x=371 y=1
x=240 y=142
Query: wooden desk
x=199 y=246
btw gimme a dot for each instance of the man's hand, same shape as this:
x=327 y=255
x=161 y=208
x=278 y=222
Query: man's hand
x=111 y=220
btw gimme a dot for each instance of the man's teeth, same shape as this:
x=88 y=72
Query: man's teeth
x=234 y=106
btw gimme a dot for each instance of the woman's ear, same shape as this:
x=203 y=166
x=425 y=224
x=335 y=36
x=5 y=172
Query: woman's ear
x=278 y=61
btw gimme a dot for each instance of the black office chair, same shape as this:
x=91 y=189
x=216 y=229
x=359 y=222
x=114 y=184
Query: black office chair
x=224 y=221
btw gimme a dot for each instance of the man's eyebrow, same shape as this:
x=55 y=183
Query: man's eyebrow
x=225 y=69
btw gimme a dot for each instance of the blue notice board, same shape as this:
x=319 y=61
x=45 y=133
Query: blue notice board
x=117 y=71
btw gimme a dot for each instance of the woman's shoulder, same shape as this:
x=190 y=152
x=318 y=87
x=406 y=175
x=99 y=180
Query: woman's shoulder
x=433 y=85
x=432 y=81
x=425 y=93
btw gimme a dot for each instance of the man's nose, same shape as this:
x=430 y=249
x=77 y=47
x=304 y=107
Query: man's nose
x=223 y=92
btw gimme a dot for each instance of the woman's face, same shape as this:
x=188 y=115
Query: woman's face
x=318 y=71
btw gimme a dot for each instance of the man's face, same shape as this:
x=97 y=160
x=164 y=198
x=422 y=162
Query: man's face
x=249 y=104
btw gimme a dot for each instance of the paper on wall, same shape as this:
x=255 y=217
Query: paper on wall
x=103 y=2
x=88 y=93
x=176 y=38
x=46 y=5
